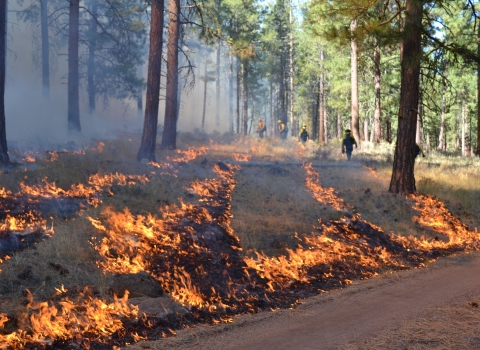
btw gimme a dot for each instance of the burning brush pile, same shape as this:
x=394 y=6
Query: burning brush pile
x=192 y=252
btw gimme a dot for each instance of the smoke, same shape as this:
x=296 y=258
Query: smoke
x=34 y=121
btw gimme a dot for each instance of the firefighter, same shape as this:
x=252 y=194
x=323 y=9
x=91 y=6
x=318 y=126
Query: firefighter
x=282 y=130
x=347 y=143
x=261 y=128
x=303 y=134
x=418 y=150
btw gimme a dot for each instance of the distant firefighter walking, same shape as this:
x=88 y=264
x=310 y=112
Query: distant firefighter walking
x=303 y=134
x=261 y=128
x=282 y=130
x=347 y=143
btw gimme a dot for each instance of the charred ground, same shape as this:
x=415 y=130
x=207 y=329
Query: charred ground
x=287 y=240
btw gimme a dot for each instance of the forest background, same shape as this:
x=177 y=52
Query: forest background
x=221 y=65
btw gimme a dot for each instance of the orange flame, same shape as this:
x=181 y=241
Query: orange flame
x=87 y=315
x=190 y=154
x=242 y=157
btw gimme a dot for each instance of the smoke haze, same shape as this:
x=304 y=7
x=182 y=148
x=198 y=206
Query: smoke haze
x=33 y=121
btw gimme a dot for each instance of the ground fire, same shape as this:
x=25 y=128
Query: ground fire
x=193 y=252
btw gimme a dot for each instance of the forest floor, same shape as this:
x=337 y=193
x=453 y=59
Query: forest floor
x=232 y=228
x=436 y=307
x=432 y=308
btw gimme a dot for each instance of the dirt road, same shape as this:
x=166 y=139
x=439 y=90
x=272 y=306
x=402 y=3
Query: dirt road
x=332 y=319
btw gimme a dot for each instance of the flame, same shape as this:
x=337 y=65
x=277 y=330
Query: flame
x=131 y=242
x=374 y=173
x=242 y=157
x=191 y=249
x=29 y=159
x=434 y=215
x=53 y=156
x=50 y=190
x=44 y=322
x=99 y=147
x=104 y=180
x=321 y=194
x=190 y=154
x=27 y=223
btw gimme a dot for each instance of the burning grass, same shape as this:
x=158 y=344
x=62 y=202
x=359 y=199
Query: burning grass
x=301 y=230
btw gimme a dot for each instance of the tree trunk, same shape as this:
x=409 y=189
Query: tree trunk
x=403 y=179
x=478 y=93
x=217 y=85
x=376 y=132
x=230 y=91
x=419 y=129
x=252 y=120
x=4 y=159
x=389 y=131
x=139 y=95
x=45 y=49
x=205 y=82
x=464 y=122
x=339 y=125
x=181 y=43
x=149 y=135
x=324 y=112
x=271 y=107
x=441 y=136
x=73 y=79
x=315 y=116
x=291 y=69
x=169 y=139
x=245 y=97
x=321 y=124
x=239 y=90
x=282 y=91
x=365 y=128
x=354 y=81
x=91 y=58
x=372 y=133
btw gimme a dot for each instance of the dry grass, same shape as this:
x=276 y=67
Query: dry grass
x=269 y=209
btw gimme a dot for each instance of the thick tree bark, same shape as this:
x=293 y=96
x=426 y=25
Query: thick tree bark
x=354 y=81
x=217 y=84
x=403 y=179
x=149 y=135
x=245 y=97
x=441 y=144
x=91 y=58
x=45 y=49
x=73 y=78
x=4 y=159
x=377 y=76
x=169 y=139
